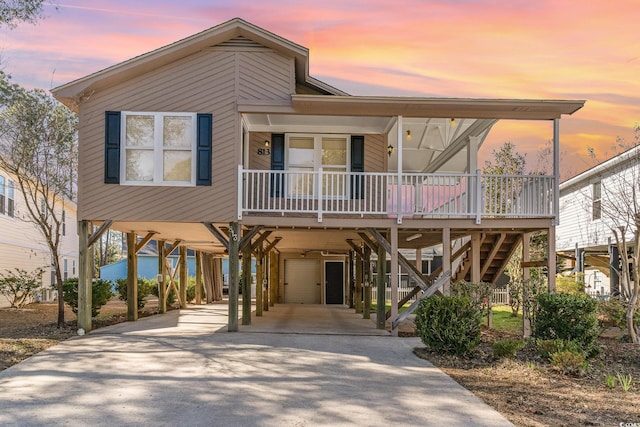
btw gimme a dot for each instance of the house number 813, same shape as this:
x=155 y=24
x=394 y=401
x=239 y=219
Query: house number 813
x=264 y=151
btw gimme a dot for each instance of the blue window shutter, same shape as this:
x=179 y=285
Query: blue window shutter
x=112 y=147
x=277 y=164
x=204 y=153
x=357 y=165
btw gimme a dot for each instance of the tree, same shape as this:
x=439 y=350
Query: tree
x=20 y=285
x=14 y=11
x=501 y=179
x=620 y=210
x=38 y=145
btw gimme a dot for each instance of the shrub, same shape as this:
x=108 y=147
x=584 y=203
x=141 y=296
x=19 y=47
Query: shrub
x=100 y=294
x=171 y=298
x=567 y=317
x=507 y=348
x=145 y=288
x=569 y=362
x=548 y=347
x=572 y=285
x=20 y=287
x=614 y=313
x=449 y=324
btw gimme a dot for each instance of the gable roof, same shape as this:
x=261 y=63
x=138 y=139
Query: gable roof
x=70 y=93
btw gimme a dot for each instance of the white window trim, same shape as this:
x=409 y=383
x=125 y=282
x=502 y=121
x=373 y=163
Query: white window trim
x=317 y=159
x=158 y=160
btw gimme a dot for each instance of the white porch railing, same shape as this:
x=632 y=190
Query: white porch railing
x=367 y=193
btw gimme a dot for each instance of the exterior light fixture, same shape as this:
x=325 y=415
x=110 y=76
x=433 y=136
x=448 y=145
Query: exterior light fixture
x=453 y=122
x=414 y=237
x=408 y=135
x=266 y=143
x=390 y=149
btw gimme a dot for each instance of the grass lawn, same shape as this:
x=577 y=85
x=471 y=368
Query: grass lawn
x=388 y=307
x=504 y=321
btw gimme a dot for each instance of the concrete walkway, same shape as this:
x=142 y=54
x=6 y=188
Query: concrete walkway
x=184 y=369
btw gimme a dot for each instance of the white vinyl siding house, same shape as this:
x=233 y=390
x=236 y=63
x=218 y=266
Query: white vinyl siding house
x=21 y=244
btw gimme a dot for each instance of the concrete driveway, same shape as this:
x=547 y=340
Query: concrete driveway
x=184 y=369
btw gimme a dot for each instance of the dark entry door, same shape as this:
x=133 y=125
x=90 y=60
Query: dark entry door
x=334 y=282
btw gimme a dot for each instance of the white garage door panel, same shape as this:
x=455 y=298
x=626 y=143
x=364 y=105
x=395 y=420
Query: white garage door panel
x=302 y=277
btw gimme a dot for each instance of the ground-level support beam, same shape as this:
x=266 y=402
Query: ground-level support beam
x=551 y=258
x=394 y=279
x=446 y=258
x=198 y=277
x=366 y=310
x=259 y=284
x=246 y=285
x=84 y=277
x=162 y=277
x=357 y=293
x=274 y=280
x=132 y=278
x=265 y=280
x=234 y=243
x=526 y=292
x=382 y=288
x=351 y=298
x=184 y=277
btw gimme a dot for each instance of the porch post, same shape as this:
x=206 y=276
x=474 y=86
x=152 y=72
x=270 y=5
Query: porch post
x=234 y=242
x=551 y=259
x=394 y=278
x=132 y=278
x=184 y=277
x=351 y=300
x=399 y=184
x=367 y=283
x=381 y=309
x=556 y=174
x=84 y=278
x=162 y=275
x=526 y=295
x=274 y=280
x=472 y=164
x=446 y=257
x=266 y=280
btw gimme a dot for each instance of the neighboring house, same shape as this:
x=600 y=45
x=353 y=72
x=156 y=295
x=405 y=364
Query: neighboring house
x=223 y=141
x=21 y=243
x=591 y=205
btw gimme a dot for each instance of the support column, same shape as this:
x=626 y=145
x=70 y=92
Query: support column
x=475 y=257
x=526 y=285
x=234 y=242
x=162 y=276
x=551 y=259
x=381 y=309
x=198 y=277
x=84 y=278
x=351 y=300
x=614 y=270
x=259 y=285
x=446 y=258
x=132 y=278
x=246 y=285
x=366 y=314
x=266 y=280
x=357 y=294
x=184 y=277
x=394 y=278
x=274 y=280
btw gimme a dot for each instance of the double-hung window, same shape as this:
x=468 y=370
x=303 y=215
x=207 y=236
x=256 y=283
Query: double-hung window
x=306 y=154
x=158 y=148
x=7 y=197
x=597 y=201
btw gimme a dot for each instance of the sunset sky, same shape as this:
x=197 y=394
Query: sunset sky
x=546 y=49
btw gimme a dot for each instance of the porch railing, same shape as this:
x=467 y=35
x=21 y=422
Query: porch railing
x=458 y=195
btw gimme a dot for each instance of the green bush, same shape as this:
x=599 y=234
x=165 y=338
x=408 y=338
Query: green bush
x=573 y=285
x=507 y=348
x=21 y=286
x=449 y=324
x=614 y=313
x=568 y=317
x=171 y=298
x=100 y=294
x=548 y=347
x=569 y=362
x=145 y=288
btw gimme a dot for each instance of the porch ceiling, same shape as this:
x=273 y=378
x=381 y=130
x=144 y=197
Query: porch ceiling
x=435 y=144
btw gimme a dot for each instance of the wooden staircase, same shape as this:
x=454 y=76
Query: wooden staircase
x=495 y=251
